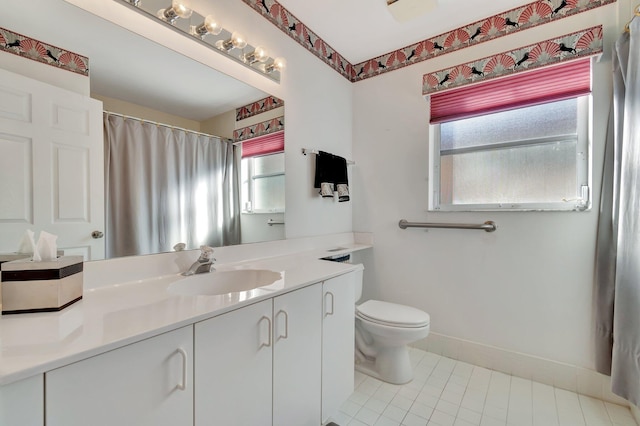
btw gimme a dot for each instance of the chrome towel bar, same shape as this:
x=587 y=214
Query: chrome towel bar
x=488 y=226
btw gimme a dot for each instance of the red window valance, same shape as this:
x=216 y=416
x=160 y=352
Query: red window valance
x=552 y=83
x=262 y=145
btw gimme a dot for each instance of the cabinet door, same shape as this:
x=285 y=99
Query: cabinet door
x=233 y=354
x=146 y=383
x=22 y=403
x=297 y=331
x=338 y=341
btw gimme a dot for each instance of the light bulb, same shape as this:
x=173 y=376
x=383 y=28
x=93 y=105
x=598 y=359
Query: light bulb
x=182 y=8
x=261 y=54
x=209 y=26
x=238 y=41
x=278 y=64
x=258 y=55
x=212 y=26
x=178 y=9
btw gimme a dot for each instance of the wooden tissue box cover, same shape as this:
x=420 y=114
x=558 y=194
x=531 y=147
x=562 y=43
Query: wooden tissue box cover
x=28 y=286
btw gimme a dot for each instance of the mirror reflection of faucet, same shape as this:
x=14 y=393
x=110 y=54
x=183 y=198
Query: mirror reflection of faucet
x=204 y=264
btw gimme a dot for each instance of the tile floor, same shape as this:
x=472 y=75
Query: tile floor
x=446 y=392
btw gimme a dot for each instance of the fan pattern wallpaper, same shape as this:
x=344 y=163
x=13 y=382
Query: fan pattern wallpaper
x=258 y=107
x=29 y=48
x=576 y=45
x=259 y=129
x=517 y=19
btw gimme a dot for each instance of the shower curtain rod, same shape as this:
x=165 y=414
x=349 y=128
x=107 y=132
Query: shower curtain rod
x=144 y=120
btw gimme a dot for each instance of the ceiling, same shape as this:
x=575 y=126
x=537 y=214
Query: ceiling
x=363 y=29
x=125 y=66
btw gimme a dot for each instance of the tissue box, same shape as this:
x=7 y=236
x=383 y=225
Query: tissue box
x=29 y=286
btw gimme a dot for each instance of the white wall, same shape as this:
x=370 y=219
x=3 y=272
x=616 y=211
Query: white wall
x=255 y=227
x=526 y=287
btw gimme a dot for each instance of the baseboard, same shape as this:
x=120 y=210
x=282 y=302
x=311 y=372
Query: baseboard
x=565 y=376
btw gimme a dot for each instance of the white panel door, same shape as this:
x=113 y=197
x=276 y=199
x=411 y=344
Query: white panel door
x=51 y=165
x=338 y=329
x=297 y=331
x=148 y=383
x=233 y=354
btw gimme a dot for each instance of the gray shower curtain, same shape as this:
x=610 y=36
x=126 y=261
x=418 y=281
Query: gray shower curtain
x=617 y=274
x=165 y=186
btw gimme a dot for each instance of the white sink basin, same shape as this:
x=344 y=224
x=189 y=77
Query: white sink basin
x=223 y=282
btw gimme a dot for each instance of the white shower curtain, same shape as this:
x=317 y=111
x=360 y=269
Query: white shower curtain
x=618 y=248
x=166 y=186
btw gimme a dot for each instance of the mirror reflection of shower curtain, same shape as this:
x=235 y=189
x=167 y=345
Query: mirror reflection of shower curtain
x=617 y=274
x=165 y=186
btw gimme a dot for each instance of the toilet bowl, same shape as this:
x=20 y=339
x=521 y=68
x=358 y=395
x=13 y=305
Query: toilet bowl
x=383 y=332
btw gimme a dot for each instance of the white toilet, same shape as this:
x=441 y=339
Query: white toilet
x=383 y=331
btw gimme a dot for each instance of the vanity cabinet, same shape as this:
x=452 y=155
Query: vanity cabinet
x=233 y=357
x=287 y=360
x=22 y=402
x=297 y=357
x=145 y=383
x=338 y=328
x=260 y=365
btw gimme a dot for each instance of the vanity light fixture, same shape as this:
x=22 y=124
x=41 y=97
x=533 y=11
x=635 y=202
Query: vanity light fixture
x=278 y=64
x=237 y=41
x=258 y=55
x=178 y=9
x=209 y=32
x=209 y=26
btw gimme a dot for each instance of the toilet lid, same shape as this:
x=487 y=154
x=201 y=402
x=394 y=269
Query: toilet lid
x=392 y=314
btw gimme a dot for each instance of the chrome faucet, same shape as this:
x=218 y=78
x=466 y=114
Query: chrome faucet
x=203 y=264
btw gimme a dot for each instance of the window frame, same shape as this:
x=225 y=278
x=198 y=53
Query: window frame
x=252 y=177
x=583 y=172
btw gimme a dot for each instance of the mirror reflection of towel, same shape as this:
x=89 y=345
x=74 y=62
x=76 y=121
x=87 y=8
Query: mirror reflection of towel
x=332 y=170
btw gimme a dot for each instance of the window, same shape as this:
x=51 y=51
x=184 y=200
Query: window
x=262 y=174
x=263 y=183
x=533 y=155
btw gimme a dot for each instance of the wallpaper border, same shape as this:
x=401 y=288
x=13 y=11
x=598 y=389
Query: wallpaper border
x=514 y=20
x=259 y=129
x=39 y=51
x=559 y=49
x=258 y=107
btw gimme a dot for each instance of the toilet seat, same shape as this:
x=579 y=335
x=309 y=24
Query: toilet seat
x=392 y=314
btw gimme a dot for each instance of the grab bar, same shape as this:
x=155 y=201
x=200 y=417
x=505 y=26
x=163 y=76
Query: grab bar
x=272 y=222
x=488 y=226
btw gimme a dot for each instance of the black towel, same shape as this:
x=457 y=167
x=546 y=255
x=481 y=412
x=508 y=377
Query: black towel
x=341 y=178
x=324 y=167
x=332 y=171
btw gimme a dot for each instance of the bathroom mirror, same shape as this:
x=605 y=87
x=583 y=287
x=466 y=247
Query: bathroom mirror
x=137 y=77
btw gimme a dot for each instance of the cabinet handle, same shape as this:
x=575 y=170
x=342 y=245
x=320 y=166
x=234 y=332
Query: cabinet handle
x=286 y=325
x=326 y=313
x=183 y=384
x=268 y=330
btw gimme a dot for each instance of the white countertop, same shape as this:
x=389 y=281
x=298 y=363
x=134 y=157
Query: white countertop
x=113 y=316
